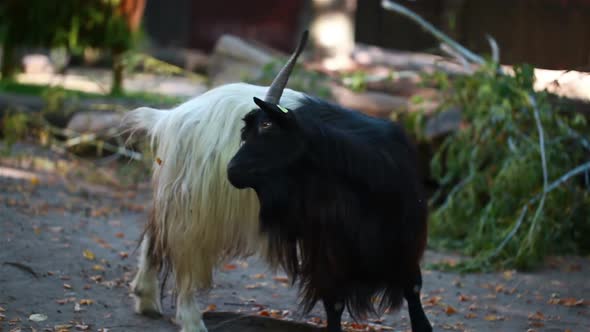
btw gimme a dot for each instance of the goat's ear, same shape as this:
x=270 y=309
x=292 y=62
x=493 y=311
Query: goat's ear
x=272 y=109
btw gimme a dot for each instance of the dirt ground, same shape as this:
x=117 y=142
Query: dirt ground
x=67 y=254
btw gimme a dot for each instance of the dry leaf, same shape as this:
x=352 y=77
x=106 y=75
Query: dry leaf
x=123 y=254
x=281 y=279
x=2 y=309
x=67 y=286
x=34 y=180
x=258 y=276
x=449 y=310
x=82 y=327
x=572 y=302
x=38 y=317
x=493 y=317
x=470 y=315
x=98 y=267
x=537 y=316
x=464 y=298
x=159 y=161
x=434 y=300
x=229 y=267
x=86 y=301
x=120 y=235
x=508 y=275
x=89 y=255
x=264 y=313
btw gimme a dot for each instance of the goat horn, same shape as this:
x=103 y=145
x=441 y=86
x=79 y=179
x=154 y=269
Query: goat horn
x=278 y=84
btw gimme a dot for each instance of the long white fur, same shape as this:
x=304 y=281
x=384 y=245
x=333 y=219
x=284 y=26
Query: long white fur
x=200 y=220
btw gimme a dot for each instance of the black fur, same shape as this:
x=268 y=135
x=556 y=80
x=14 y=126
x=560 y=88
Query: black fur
x=341 y=201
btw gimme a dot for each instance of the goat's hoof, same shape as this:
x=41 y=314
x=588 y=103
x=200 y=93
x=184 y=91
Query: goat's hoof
x=195 y=328
x=422 y=328
x=147 y=307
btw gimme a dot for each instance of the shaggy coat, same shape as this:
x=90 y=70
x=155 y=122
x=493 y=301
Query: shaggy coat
x=340 y=201
x=198 y=220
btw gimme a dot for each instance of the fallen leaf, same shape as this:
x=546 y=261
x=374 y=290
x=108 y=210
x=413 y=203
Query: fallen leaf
x=432 y=301
x=537 y=316
x=2 y=317
x=464 y=298
x=282 y=279
x=38 y=317
x=572 y=302
x=159 y=161
x=86 y=301
x=123 y=254
x=67 y=286
x=87 y=287
x=89 y=255
x=82 y=327
x=98 y=267
x=62 y=328
x=264 y=313
x=493 y=317
x=508 y=275
x=34 y=180
x=449 y=310
x=229 y=267
x=211 y=307
x=120 y=235
x=2 y=309
x=258 y=276
x=470 y=315
x=96 y=278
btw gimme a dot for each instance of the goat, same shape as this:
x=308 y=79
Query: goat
x=341 y=204
x=197 y=220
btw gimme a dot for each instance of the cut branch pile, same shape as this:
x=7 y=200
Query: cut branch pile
x=500 y=205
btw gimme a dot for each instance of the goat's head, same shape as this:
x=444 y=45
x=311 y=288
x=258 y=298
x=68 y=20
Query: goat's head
x=269 y=137
x=271 y=141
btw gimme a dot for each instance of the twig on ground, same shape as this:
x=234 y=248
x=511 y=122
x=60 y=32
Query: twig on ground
x=22 y=267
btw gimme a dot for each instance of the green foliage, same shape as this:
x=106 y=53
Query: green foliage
x=14 y=127
x=356 y=81
x=491 y=174
x=74 y=24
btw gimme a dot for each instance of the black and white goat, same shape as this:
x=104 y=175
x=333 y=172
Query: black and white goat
x=198 y=220
x=340 y=201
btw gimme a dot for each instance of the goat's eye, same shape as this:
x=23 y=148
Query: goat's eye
x=265 y=124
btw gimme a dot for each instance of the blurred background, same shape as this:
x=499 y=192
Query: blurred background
x=495 y=94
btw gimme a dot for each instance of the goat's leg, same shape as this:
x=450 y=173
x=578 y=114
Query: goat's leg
x=334 y=308
x=418 y=318
x=145 y=286
x=188 y=313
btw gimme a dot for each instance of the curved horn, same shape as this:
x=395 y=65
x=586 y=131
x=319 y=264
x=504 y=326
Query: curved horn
x=278 y=84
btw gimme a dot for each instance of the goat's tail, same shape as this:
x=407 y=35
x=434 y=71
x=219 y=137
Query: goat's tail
x=143 y=119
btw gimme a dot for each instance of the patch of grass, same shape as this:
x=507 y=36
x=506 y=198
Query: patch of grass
x=41 y=90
